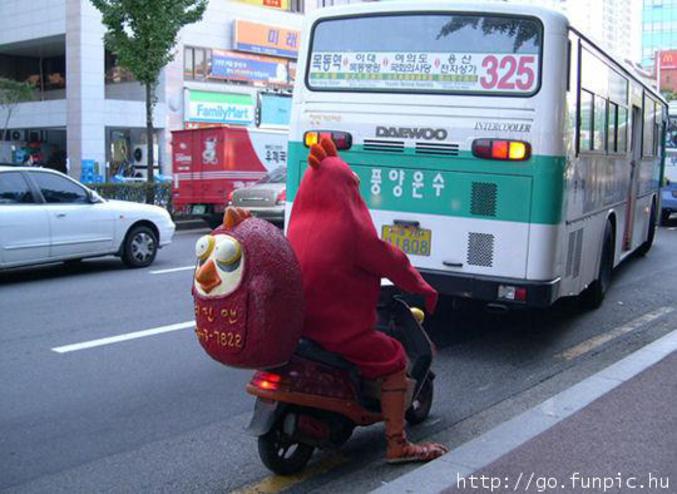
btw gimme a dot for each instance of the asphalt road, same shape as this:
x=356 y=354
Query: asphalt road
x=156 y=414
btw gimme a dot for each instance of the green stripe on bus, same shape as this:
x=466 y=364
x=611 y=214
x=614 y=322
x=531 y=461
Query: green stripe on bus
x=460 y=186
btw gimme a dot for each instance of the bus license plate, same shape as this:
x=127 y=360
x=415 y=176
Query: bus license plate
x=412 y=240
x=199 y=209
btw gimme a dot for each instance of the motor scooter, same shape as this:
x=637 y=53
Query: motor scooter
x=318 y=398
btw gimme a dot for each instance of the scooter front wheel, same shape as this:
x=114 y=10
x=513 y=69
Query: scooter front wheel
x=280 y=454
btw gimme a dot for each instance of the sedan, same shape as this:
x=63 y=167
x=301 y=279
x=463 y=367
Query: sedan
x=46 y=216
x=265 y=198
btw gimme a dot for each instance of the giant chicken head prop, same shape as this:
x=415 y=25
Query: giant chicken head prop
x=248 y=293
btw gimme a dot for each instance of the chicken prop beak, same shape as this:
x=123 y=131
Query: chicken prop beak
x=207 y=276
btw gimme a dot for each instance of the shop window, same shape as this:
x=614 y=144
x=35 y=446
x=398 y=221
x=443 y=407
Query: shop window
x=296 y=6
x=585 y=124
x=188 y=63
x=115 y=73
x=599 y=125
x=197 y=63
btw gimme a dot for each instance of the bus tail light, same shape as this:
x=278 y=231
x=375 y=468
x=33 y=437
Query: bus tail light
x=499 y=149
x=342 y=140
x=512 y=293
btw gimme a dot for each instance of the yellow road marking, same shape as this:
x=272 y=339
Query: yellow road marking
x=597 y=341
x=278 y=483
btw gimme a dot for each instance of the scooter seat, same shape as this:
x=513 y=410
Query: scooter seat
x=313 y=351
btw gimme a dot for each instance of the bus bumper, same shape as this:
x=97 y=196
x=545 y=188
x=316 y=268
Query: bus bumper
x=486 y=288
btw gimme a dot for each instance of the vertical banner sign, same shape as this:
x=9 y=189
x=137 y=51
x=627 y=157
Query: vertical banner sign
x=273 y=4
x=266 y=40
x=220 y=108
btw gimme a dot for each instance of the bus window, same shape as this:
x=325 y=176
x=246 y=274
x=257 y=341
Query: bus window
x=622 y=129
x=613 y=125
x=439 y=53
x=647 y=143
x=599 y=125
x=585 y=131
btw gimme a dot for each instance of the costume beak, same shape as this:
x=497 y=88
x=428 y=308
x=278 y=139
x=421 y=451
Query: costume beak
x=208 y=277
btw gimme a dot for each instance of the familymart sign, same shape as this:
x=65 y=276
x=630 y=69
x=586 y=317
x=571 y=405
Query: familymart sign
x=225 y=108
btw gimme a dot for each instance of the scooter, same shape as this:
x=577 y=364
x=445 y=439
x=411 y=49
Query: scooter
x=318 y=398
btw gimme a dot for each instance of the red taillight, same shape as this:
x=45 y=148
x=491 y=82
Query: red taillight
x=343 y=140
x=499 y=149
x=267 y=381
x=229 y=197
x=281 y=197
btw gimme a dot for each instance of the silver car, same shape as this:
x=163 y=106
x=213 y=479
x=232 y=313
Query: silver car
x=265 y=199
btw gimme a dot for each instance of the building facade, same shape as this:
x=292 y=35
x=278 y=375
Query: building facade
x=230 y=68
x=659 y=42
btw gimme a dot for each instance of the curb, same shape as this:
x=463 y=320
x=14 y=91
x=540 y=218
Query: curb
x=444 y=472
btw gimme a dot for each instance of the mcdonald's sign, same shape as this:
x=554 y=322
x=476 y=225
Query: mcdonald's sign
x=668 y=59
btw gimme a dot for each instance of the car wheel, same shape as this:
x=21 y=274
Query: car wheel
x=665 y=217
x=140 y=247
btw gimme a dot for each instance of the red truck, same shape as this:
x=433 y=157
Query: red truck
x=209 y=163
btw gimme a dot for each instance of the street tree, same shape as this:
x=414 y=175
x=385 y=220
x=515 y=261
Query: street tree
x=142 y=35
x=11 y=94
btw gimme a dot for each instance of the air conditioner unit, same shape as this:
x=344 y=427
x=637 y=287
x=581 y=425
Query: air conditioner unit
x=140 y=159
x=140 y=155
x=17 y=135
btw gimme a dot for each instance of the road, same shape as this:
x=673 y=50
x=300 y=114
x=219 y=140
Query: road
x=154 y=413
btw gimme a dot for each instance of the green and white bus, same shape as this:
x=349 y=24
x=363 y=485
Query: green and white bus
x=507 y=154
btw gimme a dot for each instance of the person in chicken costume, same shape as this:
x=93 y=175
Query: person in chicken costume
x=342 y=262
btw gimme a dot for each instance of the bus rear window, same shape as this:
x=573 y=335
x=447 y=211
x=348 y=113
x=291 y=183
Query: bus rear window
x=427 y=53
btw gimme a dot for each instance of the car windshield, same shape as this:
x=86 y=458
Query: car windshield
x=277 y=176
x=671 y=165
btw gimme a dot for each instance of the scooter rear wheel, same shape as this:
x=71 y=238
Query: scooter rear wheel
x=420 y=407
x=280 y=454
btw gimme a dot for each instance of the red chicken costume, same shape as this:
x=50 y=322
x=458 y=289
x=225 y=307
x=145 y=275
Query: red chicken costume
x=342 y=261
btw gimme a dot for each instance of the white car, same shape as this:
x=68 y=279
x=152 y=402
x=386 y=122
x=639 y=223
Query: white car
x=46 y=216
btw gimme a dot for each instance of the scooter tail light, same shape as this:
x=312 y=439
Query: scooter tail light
x=267 y=381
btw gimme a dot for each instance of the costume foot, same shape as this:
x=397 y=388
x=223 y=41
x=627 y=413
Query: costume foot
x=408 y=452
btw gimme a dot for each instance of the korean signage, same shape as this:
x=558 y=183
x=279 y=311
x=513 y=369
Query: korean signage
x=221 y=108
x=273 y=4
x=266 y=40
x=236 y=66
x=668 y=59
x=474 y=72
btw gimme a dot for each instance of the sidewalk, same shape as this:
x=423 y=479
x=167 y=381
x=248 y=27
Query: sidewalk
x=614 y=432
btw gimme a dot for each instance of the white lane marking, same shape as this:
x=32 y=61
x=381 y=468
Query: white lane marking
x=172 y=270
x=597 y=341
x=123 y=337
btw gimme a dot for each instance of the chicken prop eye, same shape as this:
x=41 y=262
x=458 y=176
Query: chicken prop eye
x=204 y=247
x=228 y=254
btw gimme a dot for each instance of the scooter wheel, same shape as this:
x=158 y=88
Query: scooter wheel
x=280 y=454
x=420 y=407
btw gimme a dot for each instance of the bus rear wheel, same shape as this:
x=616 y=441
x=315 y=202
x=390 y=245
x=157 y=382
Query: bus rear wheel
x=594 y=295
x=646 y=246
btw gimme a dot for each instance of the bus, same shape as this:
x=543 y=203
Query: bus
x=512 y=158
